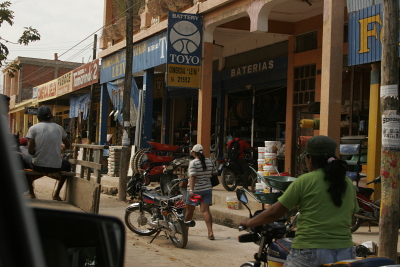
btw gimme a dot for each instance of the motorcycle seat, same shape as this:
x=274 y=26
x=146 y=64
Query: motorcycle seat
x=365 y=190
x=156 y=196
x=368 y=262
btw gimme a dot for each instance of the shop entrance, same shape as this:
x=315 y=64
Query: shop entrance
x=259 y=122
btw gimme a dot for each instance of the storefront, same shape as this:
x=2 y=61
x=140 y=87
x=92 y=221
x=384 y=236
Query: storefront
x=252 y=95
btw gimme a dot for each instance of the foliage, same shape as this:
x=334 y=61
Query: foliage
x=28 y=35
x=120 y=7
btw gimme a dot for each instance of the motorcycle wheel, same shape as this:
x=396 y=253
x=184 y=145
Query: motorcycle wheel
x=228 y=179
x=356 y=223
x=180 y=238
x=174 y=189
x=136 y=221
x=167 y=185
x=248 y=264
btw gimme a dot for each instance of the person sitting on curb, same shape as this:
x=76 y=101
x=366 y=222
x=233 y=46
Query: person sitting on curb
x=44 y=140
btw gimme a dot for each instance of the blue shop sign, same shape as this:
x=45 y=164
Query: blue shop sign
x=365 y=33
x=147 y=54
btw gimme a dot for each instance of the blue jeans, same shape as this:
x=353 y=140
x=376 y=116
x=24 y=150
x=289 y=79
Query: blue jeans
x=315 y=257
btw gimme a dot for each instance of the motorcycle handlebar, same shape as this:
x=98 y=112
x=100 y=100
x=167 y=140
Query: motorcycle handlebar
x=242 y=228
x=375 y=181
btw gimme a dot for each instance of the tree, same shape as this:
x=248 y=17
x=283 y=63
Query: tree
x=28 y=35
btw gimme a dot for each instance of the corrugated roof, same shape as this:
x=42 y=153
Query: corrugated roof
x=355 y=5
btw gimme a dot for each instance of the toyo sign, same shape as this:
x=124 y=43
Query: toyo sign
x=184 y=50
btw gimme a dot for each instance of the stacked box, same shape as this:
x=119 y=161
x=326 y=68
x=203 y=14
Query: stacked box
x=114 y=160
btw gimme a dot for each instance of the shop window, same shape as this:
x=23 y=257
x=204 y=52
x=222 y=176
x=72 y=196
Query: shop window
x=306 y=42
x=304 y=85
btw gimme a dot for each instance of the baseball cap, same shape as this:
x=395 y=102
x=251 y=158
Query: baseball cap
x=23 y=141
x=197 y=148
x=321 y=145
x=44 y=112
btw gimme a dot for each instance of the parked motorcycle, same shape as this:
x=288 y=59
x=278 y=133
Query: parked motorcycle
x=231 y=173
x=369 y=210
x=170 y=183
x=275 y=241
x=153 y=213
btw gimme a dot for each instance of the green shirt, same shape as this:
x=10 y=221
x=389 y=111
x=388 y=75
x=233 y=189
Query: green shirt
x=321 y=224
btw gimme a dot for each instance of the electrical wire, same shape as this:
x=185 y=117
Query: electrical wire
x=120 y=15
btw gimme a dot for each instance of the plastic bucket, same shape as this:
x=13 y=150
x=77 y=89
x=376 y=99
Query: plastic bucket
x=232 y=203
x=260 y=164
x=261 y=151
x=259 y=188
x=269 y=170
x=260 y=173
x=270 y=147
x=270 y=159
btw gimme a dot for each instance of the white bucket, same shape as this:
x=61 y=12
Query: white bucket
x=270 y=159
x=259 y=188
x=270 y=147
x=232 y=203
x=260 y=164
x=269 y=170
x=261 y=151
x=260 y=173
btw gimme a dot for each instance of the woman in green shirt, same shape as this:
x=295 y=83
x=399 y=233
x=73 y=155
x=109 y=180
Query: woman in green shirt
x=326 y=200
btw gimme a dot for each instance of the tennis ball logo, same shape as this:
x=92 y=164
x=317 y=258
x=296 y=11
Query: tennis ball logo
x=185 y=37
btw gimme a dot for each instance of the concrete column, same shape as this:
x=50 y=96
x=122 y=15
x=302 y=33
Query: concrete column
x=332 y=63
x=374 y=131
x=290 y=140
x=205 y=100
x=25 y=129
x=18 y=122
x=103 y=118
x=165 y=138
x=148 y=82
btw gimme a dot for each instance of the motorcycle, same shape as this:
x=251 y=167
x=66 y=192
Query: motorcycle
x=153 y=213
x=275 y=241
x=170 y=183
x=231 y=173
x=369 y=210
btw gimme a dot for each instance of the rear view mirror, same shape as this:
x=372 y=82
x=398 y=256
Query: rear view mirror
x=80 y=239
x=241 y=196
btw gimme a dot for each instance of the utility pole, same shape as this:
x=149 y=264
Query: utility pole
x=125 y=155
x=91 y=136
x=390 y=156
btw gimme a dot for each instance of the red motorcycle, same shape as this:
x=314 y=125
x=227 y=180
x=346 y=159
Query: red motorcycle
x=369 y=210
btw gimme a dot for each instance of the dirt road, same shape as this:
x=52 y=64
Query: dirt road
x=223 y=251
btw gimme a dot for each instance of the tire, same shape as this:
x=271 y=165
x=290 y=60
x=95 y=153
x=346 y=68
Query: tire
x=132 y=221
x=356 y=223
x=137 y=160
x=228 y=179
x=166 y=184
x=248 y=264
x=174 y=188
x=180 y=238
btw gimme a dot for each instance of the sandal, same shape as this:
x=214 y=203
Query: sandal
x=57 y=198
x=211 y=237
